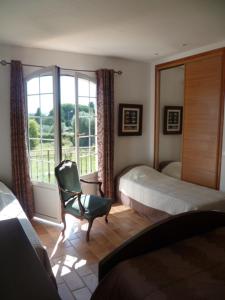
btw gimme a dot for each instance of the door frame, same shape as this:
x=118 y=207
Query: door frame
x=40 y=186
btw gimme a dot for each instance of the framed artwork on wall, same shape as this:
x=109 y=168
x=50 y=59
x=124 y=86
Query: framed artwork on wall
x=130 y=119
x=173 y=117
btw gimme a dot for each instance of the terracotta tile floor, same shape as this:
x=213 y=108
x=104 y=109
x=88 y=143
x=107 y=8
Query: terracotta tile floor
x=74 y=261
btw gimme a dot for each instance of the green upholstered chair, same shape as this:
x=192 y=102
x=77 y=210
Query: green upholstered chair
x=74 y=202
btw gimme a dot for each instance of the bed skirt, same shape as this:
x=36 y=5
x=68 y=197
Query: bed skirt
x=152 y=214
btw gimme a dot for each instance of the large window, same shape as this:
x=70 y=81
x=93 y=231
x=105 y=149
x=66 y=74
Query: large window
x=78 y=117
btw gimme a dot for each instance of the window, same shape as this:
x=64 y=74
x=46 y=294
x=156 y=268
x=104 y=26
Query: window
x=78 y=117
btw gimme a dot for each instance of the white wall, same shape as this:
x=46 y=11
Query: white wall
x=130 y=87
x=152 y=100
x=171 y=93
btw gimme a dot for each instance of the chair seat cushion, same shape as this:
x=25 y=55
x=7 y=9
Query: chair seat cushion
x=94 y=206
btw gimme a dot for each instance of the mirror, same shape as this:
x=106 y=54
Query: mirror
x=171 y=104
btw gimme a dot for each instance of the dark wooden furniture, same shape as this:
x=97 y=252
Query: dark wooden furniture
x=74 y=202
x=22 y=275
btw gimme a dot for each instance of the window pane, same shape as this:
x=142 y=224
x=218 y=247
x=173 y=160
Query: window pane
x=47 y=128
x=84 y=126
x=93 y=126
x=83 y=87
x=67 y=114
x=67 y=89
x=68 y=126
x=52 y=173
x=34 y=127
x=46 y=84
x=48 y=172
x=69 y=153
x=84 y=158
x=48 y=151
x=37 y=119
x=34 y=144
x=33 y=105
x=92 y=89
x=83 y=106
x=93 y=162
x=33 y=86
x=93 y=109
x=36 y=170
x=68 y=140
x=93 y=142
x=83 y=143
x=35 y=153
x=47 y=105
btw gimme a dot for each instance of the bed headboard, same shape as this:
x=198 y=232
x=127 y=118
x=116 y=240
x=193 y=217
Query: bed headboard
x=163 y=164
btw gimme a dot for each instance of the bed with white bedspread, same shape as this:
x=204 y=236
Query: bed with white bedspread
x=11 y=208
x=152 y=189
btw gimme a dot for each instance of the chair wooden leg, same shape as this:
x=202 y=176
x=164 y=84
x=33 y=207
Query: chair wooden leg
x=106 y=218
x=64 y=223
x=90 y=222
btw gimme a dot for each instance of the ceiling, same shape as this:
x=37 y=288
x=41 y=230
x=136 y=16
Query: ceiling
x=134 y=29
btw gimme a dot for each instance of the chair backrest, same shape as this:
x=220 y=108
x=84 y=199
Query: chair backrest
x=68 y=179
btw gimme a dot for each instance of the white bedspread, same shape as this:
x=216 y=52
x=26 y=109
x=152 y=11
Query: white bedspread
x=174 y=196
x=11 y=208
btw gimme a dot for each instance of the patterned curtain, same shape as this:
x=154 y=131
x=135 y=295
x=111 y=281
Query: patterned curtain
x=105 y=129
x=22 y=187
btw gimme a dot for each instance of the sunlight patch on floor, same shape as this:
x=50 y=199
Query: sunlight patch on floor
x=119 y=209
x=84 y=227
x=80 y=263
x=66 y=265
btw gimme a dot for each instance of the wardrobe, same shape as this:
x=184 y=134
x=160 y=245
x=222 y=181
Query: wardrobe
x=203 y=111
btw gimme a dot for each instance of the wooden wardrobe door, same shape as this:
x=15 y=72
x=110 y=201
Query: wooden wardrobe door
x=203 y=110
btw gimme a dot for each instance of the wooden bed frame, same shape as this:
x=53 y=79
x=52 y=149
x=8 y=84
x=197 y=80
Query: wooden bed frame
x=161 y=234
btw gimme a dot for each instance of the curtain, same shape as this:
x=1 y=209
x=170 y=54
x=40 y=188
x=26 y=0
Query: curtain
x=105 y=129
x=22 y=186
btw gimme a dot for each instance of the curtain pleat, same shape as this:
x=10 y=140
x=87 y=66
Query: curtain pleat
x=105 y=129
x=22 y=186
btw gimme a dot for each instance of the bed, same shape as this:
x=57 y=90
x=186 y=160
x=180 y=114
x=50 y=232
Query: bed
x=158 y=195
x=11 y=208
x=182 y=257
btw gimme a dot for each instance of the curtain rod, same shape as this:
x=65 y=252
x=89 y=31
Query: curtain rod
x=4 y=63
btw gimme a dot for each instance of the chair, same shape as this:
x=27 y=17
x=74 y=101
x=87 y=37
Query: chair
x=74 y=202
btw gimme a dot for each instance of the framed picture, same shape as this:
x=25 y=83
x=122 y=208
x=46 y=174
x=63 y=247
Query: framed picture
x=130 y=119
x=173 y=116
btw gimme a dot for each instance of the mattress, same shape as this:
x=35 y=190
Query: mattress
x=173 y=196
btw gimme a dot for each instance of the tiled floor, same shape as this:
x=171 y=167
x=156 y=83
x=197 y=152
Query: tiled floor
x=74 y=261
